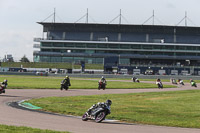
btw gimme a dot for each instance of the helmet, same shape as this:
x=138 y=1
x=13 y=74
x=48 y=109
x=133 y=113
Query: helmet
x=108 y=102
x=5 y=80
x=67 y=76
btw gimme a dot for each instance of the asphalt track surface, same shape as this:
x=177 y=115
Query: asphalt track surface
x=20 y=117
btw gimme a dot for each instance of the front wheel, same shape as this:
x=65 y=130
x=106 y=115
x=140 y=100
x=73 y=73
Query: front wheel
x=84 y=117
x=100 y=117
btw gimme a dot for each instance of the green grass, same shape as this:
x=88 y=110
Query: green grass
x=38 y=82
x=22 y=129
x=178 y=109
x=50 y=65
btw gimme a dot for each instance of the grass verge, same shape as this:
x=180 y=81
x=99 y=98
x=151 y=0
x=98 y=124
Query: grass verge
x=22 y=129
x=37 y=82
x=177 y=109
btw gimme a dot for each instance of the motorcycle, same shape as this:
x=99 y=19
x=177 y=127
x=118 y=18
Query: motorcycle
x=64 y=86
x=102 y=85
x=181 y=82
x=173 y=81
x=193 y=84
x=2 y=89
x=98 y=114
x=136 y=80
x=160 y=85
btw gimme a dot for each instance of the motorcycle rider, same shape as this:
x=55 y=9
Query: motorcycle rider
x=99 y=104
x=103 y=80
x=193 y=83
x=135 y=79
x=180 y=81
x=158 y=81
x=191 y=80
x=4 y=85
x=173 y=80
x=66 y=82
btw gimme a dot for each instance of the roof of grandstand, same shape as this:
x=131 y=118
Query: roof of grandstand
x=120 y=28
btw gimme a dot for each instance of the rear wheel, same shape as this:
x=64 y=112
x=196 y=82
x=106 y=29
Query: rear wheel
x=100 y=117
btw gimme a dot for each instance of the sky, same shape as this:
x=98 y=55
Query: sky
x=18 y=18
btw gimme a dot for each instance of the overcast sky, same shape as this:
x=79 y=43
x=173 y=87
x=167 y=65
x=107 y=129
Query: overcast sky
x=18 y=18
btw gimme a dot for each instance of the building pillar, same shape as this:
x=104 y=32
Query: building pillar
x=64 y=34
x=174 y=35
x=147 y=37
x=91 y=36
x=119 y=37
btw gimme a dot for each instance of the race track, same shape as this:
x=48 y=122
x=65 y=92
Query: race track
x=19 y=117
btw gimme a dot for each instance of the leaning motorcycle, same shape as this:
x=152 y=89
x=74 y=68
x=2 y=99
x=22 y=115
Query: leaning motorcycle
x=2 y=89
x=135 y=79
x=160 y=85
x=181 y=82
x=98 y=114
x=193 y=84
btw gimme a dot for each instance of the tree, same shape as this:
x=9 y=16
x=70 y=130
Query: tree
x=24 y=59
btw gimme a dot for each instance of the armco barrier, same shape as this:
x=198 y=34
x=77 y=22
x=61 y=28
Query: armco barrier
x=108 y=75
x=129 y=76
x=17 y=73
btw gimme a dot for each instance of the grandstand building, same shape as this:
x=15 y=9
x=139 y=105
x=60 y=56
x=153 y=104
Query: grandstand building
x=120 y=46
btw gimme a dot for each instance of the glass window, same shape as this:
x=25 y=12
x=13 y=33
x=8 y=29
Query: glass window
x=158 y=47
x=124 y=61
x=102 y=45
x=135 y=46
x=191 y=54
x=46 y=45
x=89 y=60
x=78 y=59
x=190 y=48
x=147 y=46
x=89 y=51
x=170 y=47
x=91 y=45
x=69 y=45
x=168 y=53
x=80 y=45
x=56 y=59
x=36 y=58
x=197 y=48
x=56 y=50
x=99 y=60
x=67 y=59
x=58 y=44
x=46 y=50
x=180 y=48
x=113 y=45
x=45 y=59
x=100 y=51
x=124 y=46
x=78 y=51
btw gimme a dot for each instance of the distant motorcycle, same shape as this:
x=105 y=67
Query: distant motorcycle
x=64 y=86
x=193 y=84
x=98 y=114
x=160 y=85
x=135 y=80
x=102 y=85
x=181 y=82
x=173 y=81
